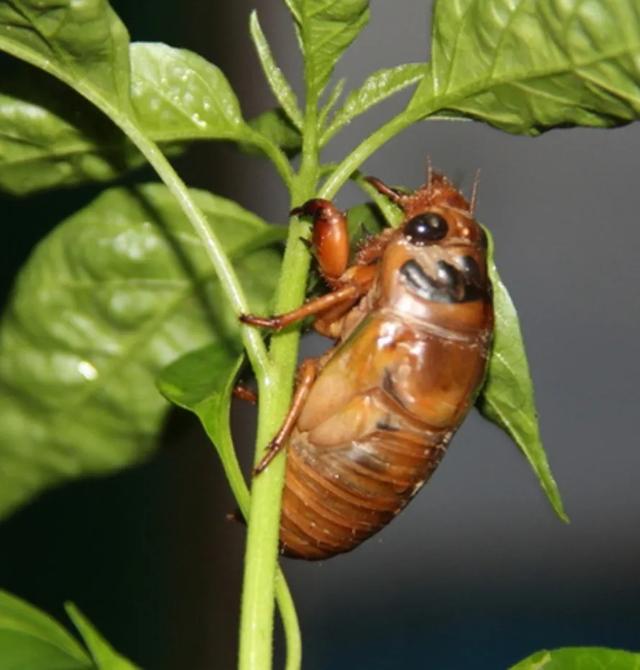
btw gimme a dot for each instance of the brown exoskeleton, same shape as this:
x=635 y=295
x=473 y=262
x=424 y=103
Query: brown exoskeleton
x=371 y=419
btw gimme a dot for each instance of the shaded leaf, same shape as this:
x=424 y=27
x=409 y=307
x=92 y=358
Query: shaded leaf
x=326 y=28
x=114 y=294
x=50 y=136
x=391 y=213
x=332 y=99
x=377 y=87
x=364 y=220
x=507 y=398
x=277 y=81
x=277 y=128
x=531 y=65
x=580 y=658
x=104 y=655
x=83 y=43
x=201 y=382
x=32 y=640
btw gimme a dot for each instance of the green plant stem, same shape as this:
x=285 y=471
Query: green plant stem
x=366 y=148
x=224 y=269
x=256 y=618
x=275 y=155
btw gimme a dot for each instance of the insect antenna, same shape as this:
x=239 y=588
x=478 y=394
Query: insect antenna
x=474 y=192
x=429 y=171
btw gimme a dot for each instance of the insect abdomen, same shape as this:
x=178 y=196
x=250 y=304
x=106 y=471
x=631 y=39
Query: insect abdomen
x=351 y=470
x=335 y=500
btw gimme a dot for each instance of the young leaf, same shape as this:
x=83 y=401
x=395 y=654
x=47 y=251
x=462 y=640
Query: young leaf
x=104 y=655
x=276 y=127
x=277 y=81
x=377 y=87
x=201 y=382
x=531 y=65
x=506 y=398
x=326 y=29
x=32 y=640
x=580 y=658
x=113 y=295
x=332 y=99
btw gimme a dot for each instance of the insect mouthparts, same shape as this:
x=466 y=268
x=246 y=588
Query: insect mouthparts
x=417 y=278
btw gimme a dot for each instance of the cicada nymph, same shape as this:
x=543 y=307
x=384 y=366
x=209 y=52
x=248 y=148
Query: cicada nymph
x=371 y=419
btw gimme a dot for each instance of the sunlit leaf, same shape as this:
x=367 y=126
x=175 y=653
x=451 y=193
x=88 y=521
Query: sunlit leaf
x=531 y=65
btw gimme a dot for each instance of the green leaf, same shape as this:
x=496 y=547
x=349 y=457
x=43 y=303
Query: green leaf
x=332 y=99
x=83 y=43
x=201 y=382
x=178 y=95
x=377 y=87
x=113 y=295
x=580 y=658
x=277 y=81
x=326 y=28
x=530 y=65
x=104 y=655
x=276 y=127
x=51 y=137
x=32 y=640
x=506 y=398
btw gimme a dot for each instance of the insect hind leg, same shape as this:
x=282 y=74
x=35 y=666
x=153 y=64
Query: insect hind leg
x=307 y=374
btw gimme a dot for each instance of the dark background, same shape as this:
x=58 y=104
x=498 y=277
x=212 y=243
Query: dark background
x=477 y=572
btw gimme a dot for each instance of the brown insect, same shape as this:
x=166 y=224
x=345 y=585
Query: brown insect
x=371 y=419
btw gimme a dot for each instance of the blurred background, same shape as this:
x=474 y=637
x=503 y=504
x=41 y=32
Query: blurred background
x=477 y=572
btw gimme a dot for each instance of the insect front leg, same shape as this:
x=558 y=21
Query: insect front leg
x=307 y=373
x=345 y=294
x=330 y=243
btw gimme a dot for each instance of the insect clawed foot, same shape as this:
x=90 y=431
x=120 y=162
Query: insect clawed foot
x=273 y=322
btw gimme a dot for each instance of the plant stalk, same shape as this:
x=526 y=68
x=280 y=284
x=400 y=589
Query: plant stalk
x=261 y=557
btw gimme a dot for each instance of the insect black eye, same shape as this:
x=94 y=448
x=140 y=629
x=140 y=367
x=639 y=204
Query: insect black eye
x=426 y=228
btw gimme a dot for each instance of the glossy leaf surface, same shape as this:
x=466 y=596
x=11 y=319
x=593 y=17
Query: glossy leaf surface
x=32 y=640
x=528 y=65
x=112 y=296
x=52 y=137
x=507 y=398
x=178 y=95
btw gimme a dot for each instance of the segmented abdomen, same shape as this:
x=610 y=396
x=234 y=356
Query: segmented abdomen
x=375 y=426
x=335 y=500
